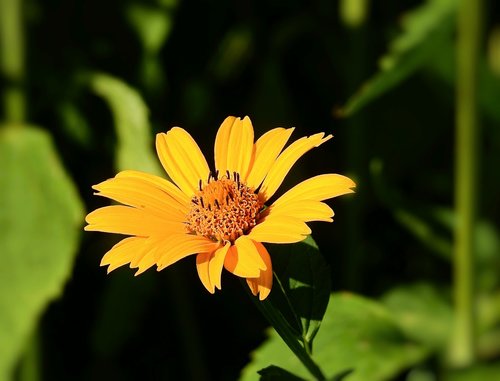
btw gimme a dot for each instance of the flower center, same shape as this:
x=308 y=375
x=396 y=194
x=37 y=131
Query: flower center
x=224 y=209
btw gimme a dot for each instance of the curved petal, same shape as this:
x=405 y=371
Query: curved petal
x=124 y=252
x=263 y=284
x=143 y=195
x=234 y=146
x=180 y=246
x=182 y=159
x=222 y=144
x=209 y=266
x=267 y=149
x=286 y=160
x=279 y=229
x=243 y=259
x=304 y=210
x=216 y=263
x=202 y=261
x=162 y=184
x=317 y=188
x=122 y=219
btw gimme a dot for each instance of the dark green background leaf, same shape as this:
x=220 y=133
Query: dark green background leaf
x=304 y=276
x=425 y=30
x=275 y=373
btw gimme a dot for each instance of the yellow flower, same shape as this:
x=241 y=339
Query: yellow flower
x=222 y=215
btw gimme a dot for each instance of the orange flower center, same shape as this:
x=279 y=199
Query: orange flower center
x=224 y=209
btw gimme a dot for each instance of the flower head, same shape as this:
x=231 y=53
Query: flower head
x=222 y=216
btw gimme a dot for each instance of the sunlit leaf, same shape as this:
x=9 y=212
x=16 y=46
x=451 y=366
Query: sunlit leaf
x=356 y=333
x=130 y=116
x=40 y=218
x=425 y=30
x=422 y=313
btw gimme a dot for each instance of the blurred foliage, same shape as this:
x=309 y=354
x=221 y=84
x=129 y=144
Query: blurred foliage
x=357 y=334
x=100 y=78
x=40 y=219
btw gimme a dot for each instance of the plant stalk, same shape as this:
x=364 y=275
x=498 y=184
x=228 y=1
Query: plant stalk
x=12 y=61
x=463 y=341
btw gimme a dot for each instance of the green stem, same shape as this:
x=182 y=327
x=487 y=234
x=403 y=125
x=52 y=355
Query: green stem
x=282 y=327
x=12 y=60
x=356 y=150
x=462 y=350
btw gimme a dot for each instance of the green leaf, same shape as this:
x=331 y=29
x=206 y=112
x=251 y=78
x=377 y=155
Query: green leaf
x=481 y=372
x=356 y=333
x=130 y=115
x=443 y=68
x=422 y=313
x=152 y=25
x=433 y=227
x=425 y=30
x=134 y=151
x=275 y=373
x=341 y=375
x=303 y=278
x=41 y=216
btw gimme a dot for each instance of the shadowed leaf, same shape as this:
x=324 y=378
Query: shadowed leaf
x=425 y=30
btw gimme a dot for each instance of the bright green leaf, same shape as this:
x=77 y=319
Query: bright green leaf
x=422 y=313
x=425 y=30
x=356 y=333
x=130 y=115
x=41 y=216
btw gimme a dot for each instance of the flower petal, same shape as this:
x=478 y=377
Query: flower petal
x=182 y=159
x=234 y=146
x=286 y=160
x=263 y=284
x=124 y=252
x=267 y=149
x=202 y=261
x=164 y=185
x=304 y=210
x=209 y=266
x=318 y=188
x=279 y=229
x=142 y=195
x=130 y=221
x=221 y=146
x=180 y=246
x=243 y=259
x=216 y=263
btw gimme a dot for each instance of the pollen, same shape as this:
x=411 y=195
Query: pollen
x=224 y=208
